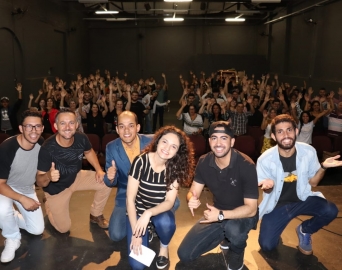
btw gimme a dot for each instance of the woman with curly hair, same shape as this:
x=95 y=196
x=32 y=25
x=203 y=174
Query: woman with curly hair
x=153 y=182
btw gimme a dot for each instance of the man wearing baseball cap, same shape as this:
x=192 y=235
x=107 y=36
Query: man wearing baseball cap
x=8 y=115
x=232 y=179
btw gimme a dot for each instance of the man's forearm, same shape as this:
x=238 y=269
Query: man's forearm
x=314 y=181
x=43 y=179
x=243 y=211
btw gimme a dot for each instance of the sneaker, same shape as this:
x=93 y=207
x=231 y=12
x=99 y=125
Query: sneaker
x=162 y=262
x=11 y=245
x=151 y=232
x=225 y=244
x=235 y=261
x=304 y=241
x=100 y=220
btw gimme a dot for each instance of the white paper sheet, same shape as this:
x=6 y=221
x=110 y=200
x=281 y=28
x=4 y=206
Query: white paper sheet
x=146 y=257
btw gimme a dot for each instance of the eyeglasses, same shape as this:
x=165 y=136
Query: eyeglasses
x=30 y=127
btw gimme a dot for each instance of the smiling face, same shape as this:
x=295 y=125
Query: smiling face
x=168 y=146
x=221 y=143
x=66 y=125
x=127 y=127
x=305 y=117
x=31 y=136
x=285 y=135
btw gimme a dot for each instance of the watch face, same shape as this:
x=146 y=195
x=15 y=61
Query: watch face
x=220 y=217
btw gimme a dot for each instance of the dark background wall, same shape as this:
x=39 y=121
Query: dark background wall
x=309 y=51
x=39 y=43
x=52 y=39
x=144 y=50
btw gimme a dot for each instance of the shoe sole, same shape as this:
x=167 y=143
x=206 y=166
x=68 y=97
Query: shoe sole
x=237 y=269
x=161 y=267
x=224 y=247
x=305 y=252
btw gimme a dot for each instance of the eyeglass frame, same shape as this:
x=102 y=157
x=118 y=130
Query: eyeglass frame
x=39 y=126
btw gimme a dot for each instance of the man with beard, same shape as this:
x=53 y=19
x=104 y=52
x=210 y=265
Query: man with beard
x=60 y=174
x=286 y=173
x=231 y=177
x=19 y=158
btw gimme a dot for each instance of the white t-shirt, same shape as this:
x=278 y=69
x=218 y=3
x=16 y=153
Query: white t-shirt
x=305 y=134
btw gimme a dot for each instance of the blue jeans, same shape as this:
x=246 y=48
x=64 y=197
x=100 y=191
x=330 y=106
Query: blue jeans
x=117 y=222
x=165 y=227
x=273 y=224
x=204 y=237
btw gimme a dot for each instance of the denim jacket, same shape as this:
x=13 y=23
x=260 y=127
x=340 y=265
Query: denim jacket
x=269 y=166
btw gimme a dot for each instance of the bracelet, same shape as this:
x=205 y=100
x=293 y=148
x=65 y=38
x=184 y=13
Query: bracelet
x=322 y=166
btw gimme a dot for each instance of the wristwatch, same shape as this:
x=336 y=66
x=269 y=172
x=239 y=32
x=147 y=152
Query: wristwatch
x=220 y=216
x=324 y=168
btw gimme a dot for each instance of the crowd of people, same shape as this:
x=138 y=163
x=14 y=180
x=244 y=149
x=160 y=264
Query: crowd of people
x=149 y=169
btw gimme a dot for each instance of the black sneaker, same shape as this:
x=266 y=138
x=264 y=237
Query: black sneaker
x=162 y=262
x=235 y=260
x=225 y=244
x=151 y=232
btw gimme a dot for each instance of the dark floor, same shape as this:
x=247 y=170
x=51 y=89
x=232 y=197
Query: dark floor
x=88 y=247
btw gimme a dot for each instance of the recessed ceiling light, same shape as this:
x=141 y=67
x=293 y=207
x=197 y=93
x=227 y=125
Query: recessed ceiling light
x=173 y=19
x=235 y=20
x=106 y=12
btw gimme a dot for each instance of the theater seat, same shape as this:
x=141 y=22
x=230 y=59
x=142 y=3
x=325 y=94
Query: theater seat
x=199 y=145
x=258 y=134
x=95 y=143
x=105 y=140
x=3 y=136
x=246 y=145
x=321 y=143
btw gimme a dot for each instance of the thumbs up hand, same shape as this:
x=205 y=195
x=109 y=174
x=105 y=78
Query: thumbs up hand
x=111 y=171
x=54 y=174
x=193 y=203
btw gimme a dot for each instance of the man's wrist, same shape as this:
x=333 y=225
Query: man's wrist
x=323 y=167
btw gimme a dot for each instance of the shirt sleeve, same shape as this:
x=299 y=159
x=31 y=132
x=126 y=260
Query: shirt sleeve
x=8 y=150
x=136 y=167
x=44 y=160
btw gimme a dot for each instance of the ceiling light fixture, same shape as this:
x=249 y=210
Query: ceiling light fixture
x=116 y=19
x=106 y=12
x=173 y=19
x=235 y=19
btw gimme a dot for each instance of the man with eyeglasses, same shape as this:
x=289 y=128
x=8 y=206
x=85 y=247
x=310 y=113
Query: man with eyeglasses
x=8 y=114
x=18 y=167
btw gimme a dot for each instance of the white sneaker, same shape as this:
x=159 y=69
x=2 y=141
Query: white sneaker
x=11 y=245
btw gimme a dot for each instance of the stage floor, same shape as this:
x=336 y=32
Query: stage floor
x=88 y=247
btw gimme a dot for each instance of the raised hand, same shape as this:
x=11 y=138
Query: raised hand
x=31 y=96
x=19 y=87
x=111 y=171
x=54 y=174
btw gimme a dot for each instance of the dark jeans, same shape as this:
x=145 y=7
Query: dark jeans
x=204 y=237
x=159 y=112
x=165 y=227
x=273 y=224
x=118 y=221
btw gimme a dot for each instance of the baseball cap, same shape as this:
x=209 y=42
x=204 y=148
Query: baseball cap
x=6 y=98
x=227 y=128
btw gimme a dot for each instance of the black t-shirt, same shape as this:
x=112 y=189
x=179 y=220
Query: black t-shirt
x=232 y=184
x=289 y=191
x=255 y=120
x=68 y=160
x=138 y=108
x=95 y=124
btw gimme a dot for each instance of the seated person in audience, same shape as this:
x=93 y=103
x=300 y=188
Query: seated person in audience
x=60 y=174
x=8 y=114
x=305 y=123
x=166 y=164
x=138 y=108
x=19 y=158
x=49 y=115
x=239 y=118
x=286 y=174
x=335 y=121
x=193 y=122
x=256 y=119
x=41 y=105
x=235 y=209
x=268 y=142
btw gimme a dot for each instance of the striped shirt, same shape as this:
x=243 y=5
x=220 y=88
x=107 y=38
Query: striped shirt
x=152 y=185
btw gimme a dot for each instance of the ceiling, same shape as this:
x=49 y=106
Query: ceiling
x=141 y=10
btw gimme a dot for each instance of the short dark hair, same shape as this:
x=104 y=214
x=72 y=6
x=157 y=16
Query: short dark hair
x=282 y=118
x=191 y=95
x=256 y=97
x=64 y=110
x=29 y=113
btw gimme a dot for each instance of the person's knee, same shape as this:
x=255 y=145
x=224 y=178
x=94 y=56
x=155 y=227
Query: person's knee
x=331 y=210
x=63 y=227
x=136 y=265
x=117 y=235
x=184 y=254
x=266 y=245
x=38 y=229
